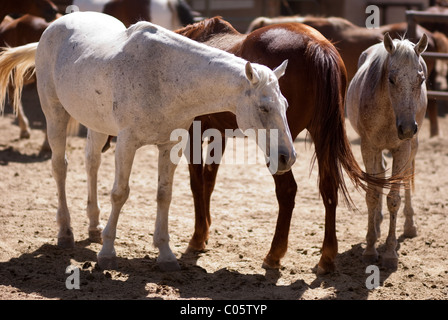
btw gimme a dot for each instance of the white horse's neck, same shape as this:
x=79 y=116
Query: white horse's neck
x=212 y=73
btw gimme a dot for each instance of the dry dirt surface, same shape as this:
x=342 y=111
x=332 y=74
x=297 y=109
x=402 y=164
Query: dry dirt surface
x=244 y=212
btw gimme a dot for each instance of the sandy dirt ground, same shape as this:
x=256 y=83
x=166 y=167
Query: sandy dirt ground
x=244 y=211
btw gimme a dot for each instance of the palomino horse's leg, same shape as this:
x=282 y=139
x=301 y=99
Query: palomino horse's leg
x=403 y=159
x=124 y=156
x=167 y=260
x=285 y=190
x=95 y=142
x=374 y=164
x=57 y=120
x=410 y=229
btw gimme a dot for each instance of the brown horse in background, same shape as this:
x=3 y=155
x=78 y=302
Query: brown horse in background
x=26 y=29
x=41 y=8
x=351 y=40
x=314 y=85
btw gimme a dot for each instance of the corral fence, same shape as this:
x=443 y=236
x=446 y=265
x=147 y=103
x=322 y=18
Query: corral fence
x=416 y=17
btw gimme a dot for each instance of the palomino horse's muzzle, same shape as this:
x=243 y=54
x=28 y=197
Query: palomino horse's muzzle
x=407 y=130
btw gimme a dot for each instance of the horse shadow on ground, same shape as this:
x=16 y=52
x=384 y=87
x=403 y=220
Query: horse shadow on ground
x=43 y=271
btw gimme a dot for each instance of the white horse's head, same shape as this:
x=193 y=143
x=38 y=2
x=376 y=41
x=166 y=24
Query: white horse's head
x=264 y=107
x=406 y=74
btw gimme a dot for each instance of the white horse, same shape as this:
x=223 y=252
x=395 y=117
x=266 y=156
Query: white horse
x=169 y=14
x=386 y=104
x=139 y=84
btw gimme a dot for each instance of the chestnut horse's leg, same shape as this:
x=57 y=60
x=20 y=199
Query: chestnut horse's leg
x=285 y=189
x=329 y=192
x=431 y=111
x=202 y=182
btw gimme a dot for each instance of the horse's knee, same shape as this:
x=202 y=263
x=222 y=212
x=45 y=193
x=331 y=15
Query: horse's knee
x=119 y=195
x=163 y=196
x=393 y=201
x=372 y=197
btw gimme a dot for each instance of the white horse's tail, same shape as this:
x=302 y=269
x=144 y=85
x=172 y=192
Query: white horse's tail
x=16 y=64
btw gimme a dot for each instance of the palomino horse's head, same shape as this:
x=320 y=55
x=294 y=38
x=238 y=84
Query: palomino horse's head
x=406 y=74
x=264 y=107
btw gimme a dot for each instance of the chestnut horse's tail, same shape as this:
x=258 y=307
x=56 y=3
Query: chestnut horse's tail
x=16 y=64
x=327 y=128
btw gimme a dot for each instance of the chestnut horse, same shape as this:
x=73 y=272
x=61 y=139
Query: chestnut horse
x=314 y=85
x=352 y=40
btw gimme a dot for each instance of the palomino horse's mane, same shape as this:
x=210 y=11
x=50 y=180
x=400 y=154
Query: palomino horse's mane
x=404 y=49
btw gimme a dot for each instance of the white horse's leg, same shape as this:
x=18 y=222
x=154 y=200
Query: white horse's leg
x=124 y=156
x=374 y=164
x=57 y=120
x=95 y=142
x=167 y=260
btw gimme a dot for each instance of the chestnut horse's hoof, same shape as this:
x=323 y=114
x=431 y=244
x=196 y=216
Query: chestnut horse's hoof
x=271 y=263
x=325 y=267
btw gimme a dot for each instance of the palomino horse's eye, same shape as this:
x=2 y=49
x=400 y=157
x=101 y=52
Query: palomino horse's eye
x=264 y=109
x=391 y=80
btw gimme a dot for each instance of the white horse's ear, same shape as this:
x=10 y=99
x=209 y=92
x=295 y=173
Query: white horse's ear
x=251 y=74
x=389 y=43
x=421 y=46
x=280 y=70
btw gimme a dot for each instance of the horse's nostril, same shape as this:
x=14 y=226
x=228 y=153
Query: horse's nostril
x=283 y=159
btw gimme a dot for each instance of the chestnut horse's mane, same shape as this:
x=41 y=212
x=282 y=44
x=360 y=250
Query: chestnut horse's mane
x=207 y=29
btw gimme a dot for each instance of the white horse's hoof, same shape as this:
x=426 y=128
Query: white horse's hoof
x=95 y=235
x=169 y=266
x=66 y=242
x=107 y=263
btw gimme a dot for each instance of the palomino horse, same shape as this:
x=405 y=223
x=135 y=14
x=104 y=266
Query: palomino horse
x=314 y=85
x=352 y=40
x=41 y=8
x=139 y=84
x=386 y=104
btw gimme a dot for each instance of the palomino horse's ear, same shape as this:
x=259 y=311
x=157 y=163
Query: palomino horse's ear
x=421 y=46
x=389 y=43
x=251 y=74
x=280 y=70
